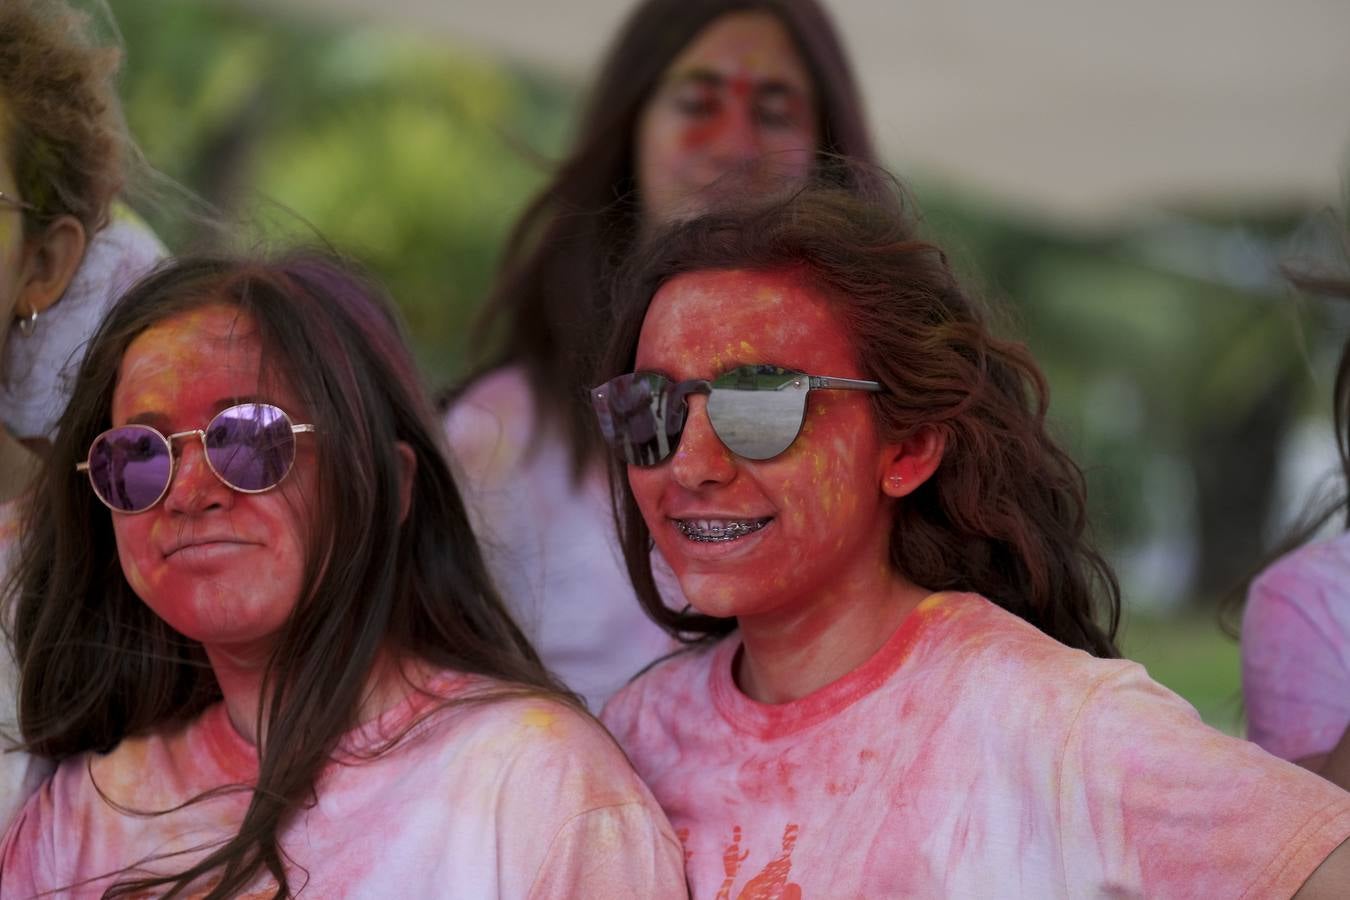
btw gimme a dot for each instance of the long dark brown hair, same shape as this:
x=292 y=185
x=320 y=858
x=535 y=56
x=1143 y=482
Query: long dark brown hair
x=98 y=666
x=548 y=307
x=1004 y=514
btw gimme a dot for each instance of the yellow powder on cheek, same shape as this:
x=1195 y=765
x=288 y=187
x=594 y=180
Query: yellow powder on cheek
x=136 y=578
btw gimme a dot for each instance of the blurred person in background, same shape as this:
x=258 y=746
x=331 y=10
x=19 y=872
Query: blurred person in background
x=1296 y=625
x=67 y=251
x=694 y=95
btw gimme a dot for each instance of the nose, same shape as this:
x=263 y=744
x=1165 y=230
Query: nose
x=193 y=487
x=701 y=460
x=737 y=142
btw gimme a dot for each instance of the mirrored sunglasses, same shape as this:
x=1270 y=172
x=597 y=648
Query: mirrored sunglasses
x=249 y=447
x=756 y=411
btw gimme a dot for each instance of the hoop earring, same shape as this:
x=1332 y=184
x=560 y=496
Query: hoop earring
x=29 y=325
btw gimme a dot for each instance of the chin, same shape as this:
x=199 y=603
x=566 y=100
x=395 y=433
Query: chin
x=721 y=597
x=216 y=615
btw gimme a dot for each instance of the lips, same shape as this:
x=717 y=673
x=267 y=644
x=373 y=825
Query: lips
x=203 y=545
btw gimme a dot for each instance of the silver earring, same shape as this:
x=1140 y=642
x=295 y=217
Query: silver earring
x=29 y=325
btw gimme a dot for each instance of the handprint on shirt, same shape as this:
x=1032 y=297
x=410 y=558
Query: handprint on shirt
x=772 y=881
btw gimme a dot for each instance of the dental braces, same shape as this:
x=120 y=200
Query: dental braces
x=720 y=535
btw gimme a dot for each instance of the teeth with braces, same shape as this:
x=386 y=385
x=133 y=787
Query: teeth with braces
x=709 y=533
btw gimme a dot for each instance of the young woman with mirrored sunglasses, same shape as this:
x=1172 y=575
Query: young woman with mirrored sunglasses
x=901 y=679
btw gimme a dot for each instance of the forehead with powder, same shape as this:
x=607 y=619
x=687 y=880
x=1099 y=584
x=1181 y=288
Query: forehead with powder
x=186 y=358
x=702 y=323
x=752 y=43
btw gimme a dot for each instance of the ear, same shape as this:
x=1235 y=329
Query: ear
x=50 y=260
x=407 y=464
x=911 y=462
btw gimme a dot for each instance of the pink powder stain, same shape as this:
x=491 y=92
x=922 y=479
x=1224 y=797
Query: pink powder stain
x=732 y=857
x=683 y=835
x=772 y=881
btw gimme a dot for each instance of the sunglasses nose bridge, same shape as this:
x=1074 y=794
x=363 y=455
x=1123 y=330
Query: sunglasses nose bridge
x=192 y=478
x=701 y=459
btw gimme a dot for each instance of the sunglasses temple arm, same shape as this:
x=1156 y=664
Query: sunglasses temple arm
x=845 y=384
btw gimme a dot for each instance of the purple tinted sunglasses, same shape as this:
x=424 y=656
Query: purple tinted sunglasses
x=249 y=447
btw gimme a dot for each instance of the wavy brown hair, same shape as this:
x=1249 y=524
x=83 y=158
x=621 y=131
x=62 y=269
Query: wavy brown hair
x=548 y=304
x=59 y=112
x=1004 y=515
x=97 y=665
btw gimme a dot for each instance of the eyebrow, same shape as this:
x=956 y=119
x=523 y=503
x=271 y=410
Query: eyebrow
x=711 y=78
x=160 y=421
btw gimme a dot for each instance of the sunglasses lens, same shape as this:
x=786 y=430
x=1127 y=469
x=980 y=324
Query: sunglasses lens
x=757 y=411
x=251 y=446
x=129 y=467
x=639 y=417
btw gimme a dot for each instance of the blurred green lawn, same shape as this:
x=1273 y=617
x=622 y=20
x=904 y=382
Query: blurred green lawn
x=1193 y=657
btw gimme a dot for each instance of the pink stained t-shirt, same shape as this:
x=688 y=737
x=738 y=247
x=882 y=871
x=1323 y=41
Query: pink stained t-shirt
x=1296 y=651
x=520 y=798
x=549 y=541
x=971 y=756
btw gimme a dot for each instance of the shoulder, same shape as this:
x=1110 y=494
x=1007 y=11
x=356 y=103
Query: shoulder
x=1314 y=573
x=491 y=425
x=675 y=688
x=990 y=646
x=117 y=256
x=546 y=742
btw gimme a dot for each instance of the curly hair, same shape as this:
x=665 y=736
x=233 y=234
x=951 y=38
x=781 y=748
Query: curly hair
x=1005 y=513
x=59 y=112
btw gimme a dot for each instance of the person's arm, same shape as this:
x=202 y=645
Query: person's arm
x=1295 y=680
x=1334 y=765
x=1330 y=880
x=1148 y=788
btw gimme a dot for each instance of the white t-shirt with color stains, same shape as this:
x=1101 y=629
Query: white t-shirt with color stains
x=516 y=798
x=971 y=756
x=549 y=540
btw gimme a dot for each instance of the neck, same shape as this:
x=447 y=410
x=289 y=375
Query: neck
x=240 y=675
x=18 y=466
x=790 y=653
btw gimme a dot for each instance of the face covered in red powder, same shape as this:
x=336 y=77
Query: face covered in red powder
x=220 y=566
x=738 y=100
x=815 y=519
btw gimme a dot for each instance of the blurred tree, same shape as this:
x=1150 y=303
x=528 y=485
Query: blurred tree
x=396 y=150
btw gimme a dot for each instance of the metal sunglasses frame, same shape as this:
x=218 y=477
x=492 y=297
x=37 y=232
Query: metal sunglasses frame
x=200 y=433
